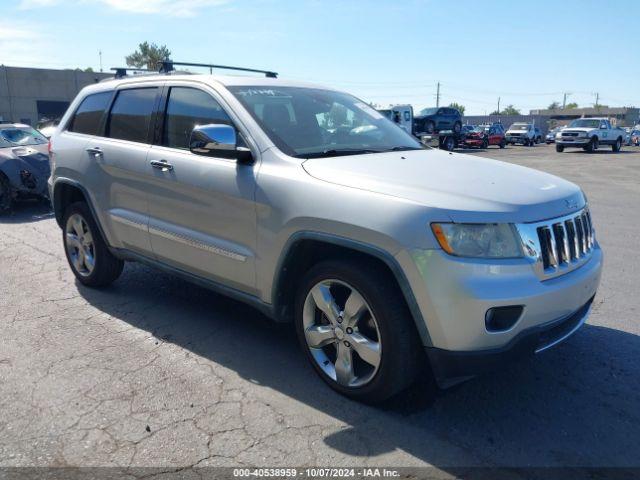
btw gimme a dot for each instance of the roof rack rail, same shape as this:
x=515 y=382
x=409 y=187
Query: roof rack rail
x=168 y=66
x=122 y=71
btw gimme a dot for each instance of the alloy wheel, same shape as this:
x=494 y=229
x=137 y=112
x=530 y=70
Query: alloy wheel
x=79 y=244
x=342 y=333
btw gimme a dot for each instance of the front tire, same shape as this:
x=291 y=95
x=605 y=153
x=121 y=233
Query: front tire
x=457 y=127
x=592 y=146
x=503 y=144
x=6 y=198
x=356 y=330
x=559 y=148
x=89 y=258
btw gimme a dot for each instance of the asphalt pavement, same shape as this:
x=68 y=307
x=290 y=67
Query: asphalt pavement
x=154 y=371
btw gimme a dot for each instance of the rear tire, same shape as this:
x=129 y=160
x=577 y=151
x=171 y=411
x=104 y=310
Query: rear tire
x=87 y=253
x=457 y=127
x=449 y=144
x=617 y=146
x=399 y=352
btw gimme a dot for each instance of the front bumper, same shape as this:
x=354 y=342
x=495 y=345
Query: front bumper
x=474 y=142
x=450 y=367
x=453 y=295
x=573 y=142
x=510 y=139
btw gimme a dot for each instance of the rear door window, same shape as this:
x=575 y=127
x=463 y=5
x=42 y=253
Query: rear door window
x=89 y=114
x=131 y=114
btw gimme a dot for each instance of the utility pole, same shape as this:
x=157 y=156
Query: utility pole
x=498 y=105
x=597 y=104
x=438 y=96
x=564 y=100
x=100 y=54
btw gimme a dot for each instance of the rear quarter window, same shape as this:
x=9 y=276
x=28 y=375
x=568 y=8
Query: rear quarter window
x=89 y=114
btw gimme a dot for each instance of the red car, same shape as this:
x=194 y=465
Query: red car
x=484 y=135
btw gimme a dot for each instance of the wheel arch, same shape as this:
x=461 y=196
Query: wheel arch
x=67 y=191
x=306 y=248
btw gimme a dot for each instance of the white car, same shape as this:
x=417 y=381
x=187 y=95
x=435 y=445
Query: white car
x=520 y=132
x=589 y=134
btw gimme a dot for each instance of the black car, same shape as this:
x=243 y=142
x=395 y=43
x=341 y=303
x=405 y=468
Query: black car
x=432 y=120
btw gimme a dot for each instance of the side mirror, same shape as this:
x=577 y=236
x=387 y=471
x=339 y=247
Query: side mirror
x=218 y=140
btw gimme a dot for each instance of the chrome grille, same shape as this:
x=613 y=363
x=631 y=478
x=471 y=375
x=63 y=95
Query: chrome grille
x=559 y=245
x=565 y=241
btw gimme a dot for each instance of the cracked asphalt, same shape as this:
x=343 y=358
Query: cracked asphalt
x=154 y=371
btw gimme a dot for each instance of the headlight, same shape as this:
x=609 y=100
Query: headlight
x=490 y=240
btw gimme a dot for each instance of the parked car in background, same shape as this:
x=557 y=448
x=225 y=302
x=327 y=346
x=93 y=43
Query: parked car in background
x=433 y=120
x=551 y=136
x=401 y=115
x=388 y=260
x=467 y=129
x=635 y=137
x=627 y=136
x=483 y=136
x=24 y=164
x=521 y=132
x=538 y=137
x=589 y=134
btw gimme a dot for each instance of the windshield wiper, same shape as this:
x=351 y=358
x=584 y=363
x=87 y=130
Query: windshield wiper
x=337 y=152
x=401 y=149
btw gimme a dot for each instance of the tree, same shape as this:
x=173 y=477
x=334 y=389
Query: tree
x=571 y=106
x=554 y=106
x=508 y=110
x=458 y=107
x=148 y=56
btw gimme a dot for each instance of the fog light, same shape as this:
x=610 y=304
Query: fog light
x=499 y=319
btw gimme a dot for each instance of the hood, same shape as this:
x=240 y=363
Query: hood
x=465 y=187
x=578 y=129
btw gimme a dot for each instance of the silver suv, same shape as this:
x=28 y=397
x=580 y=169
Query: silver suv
x=310 y=205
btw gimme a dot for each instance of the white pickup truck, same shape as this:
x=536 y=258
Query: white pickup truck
x=589 y=134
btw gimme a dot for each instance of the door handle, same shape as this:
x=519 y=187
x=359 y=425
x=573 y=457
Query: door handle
x=95 y=150
x=161 y=165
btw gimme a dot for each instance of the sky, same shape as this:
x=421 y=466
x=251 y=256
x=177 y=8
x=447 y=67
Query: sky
x=528 y=53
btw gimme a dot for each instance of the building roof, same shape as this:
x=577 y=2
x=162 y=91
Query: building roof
x=577 y=112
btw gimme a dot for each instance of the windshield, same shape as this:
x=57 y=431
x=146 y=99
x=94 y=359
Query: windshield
x=21 y=136
x=312 y=122
x=585 y=123
x=519 y=126
x=428 y=111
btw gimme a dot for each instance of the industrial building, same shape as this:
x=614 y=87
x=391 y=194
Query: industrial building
x=29 y=95
x=620 y=116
